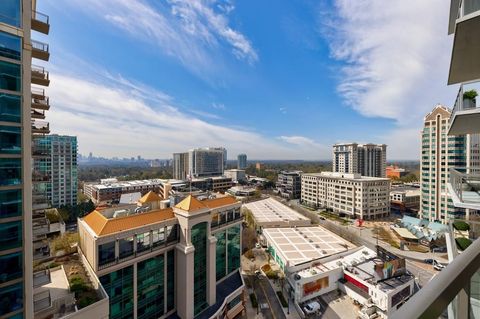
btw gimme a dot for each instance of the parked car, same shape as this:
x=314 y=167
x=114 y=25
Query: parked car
x=312 y=308
x=322 y=218
x=437 y=266
x=428 y=261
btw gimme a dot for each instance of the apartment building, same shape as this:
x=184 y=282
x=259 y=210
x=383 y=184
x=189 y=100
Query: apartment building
x=200 y=162
x=364 y=159
x=176 y=262
x=61 y=166
x=350 y=194
x=440 y=152
x=242 y=161
x=237 y=175
x=110 y=190
x=289 y=184
x=22 y=107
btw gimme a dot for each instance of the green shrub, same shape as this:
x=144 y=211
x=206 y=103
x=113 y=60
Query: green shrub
x=470 y=95
x=282 y=299
x=271 y=274
x=85 y=301
x=463 y=243
x=77 y=285
x=461 y=225
x=253 y=299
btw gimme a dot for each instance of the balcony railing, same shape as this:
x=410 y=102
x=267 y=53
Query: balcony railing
x=38 y=176
x=40 y=127
x=38 y=114
x=465 y=118
x=40 y=50
x=41 y=300
x=39 y=100
x=40 y=22
x=41 y=278
x=40 y=76
x=464 y=187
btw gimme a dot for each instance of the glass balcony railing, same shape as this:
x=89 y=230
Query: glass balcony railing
x=454 y=291
x=40 y=76
x=40 y=50
x=40 y=127
x=40 y=22
x=464 y=187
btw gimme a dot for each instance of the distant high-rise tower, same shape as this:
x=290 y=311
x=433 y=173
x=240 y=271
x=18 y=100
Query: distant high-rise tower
x=199 y=162
x=365 y=159
x=61 y=166
x=242 y=161
x=439 y=153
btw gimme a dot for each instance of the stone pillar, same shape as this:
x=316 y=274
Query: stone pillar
x=184 y=273
x=211 y=270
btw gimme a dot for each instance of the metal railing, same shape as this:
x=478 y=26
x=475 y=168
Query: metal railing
x=37 y=45
x=468 y=7
x=40 y=126
x=40 y=17
x=465 y=179
x=38 y=91
x=453 y=284
x=39 y=72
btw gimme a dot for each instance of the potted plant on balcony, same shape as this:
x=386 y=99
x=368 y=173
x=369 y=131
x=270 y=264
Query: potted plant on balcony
x=469 y=99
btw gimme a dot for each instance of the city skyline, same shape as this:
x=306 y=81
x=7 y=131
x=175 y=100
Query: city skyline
x=241 y=81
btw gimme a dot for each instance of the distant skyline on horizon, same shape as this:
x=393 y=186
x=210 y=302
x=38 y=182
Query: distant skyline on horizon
x=276 y=82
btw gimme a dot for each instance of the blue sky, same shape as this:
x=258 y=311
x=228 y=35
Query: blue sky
x=275 y=80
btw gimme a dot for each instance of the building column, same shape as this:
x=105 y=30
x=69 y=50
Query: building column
x=135 y=299
x=185 y=284
x=211 y=270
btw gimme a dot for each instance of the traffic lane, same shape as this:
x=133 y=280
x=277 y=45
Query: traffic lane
x=423 y=274
x=275 y=306
x=261 y=298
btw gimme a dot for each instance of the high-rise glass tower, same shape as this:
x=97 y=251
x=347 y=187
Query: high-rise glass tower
x=439 y=153
x=242 y=161
x=21 y=108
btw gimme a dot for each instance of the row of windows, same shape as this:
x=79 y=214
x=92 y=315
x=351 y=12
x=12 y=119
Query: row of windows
x=227 y=251
x=220 y=218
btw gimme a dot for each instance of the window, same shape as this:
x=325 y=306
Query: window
x=221 y=255
x=11 y=46
x=233 y=246
x=170 y=280
x=11 y=235
x=10 y=171
x=10 y=203
x=10 y=12
x=10 y=76
x=125 y=247
x=199 y=241
x=119 y=287
x=106 y=253
x=11 y=298
x=10 y=140
x=158 y=236
x=11 y=266
x=143 y=242
x=10 y=108
x=172 y=233
x=150 y=288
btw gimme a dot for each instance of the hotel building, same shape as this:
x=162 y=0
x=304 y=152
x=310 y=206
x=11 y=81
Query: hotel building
x=200 y=162
x=179 y=262
x=350 y=194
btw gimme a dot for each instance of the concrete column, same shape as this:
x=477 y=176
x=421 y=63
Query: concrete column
x=185 y=285
x=211 y=270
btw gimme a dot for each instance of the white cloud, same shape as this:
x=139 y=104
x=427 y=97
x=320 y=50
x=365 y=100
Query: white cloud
x=396 y=56
x=114 y=117
x=192 y=31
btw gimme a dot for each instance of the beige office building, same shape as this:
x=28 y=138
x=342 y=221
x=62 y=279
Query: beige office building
x=350 y=194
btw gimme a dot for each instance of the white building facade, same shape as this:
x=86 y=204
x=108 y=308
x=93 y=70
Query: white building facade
x=350 y=194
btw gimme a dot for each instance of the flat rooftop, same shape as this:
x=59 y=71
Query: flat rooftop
x=270 y=210
x=303 y=244
x=347 y=176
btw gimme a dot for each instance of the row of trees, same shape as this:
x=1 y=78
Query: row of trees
x=95 y=173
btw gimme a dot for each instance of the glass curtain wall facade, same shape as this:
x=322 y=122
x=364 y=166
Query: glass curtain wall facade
x=119 y=287
x=199 y=241
x=12 y=249
x=151 y=288
x=227 y=251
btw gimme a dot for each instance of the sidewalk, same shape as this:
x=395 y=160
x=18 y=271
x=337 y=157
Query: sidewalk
x=293 y=312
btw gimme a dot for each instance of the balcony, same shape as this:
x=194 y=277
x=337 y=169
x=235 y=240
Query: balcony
x=40 y=50
x=40 y=150
x=465 y=118
x=40 y=22
x=454 y=290
x=39 y=176
x=464 y=23
x=40 y=115
x=464 y=187
x=40 y=127
x=39 y=100
x=41 y=278
x=40 y=76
